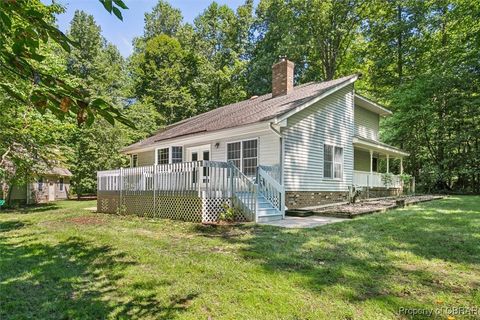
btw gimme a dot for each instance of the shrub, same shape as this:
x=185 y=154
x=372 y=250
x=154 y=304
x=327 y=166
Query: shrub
x=387 y=179
x=229 y=213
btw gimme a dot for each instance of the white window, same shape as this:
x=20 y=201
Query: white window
x=244 y=155
x=61 y=184
x=177 y=154
x=234 y=153
x=134 y=160
x=40 y=184
x=168 y=155
x=163 y=156
x=332 y=162
x=249 y=155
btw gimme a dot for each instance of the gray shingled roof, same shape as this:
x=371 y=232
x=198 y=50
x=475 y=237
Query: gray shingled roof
x=249 y=111
x=57 y=171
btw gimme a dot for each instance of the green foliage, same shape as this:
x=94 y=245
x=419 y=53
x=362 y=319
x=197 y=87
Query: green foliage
x=26 y=26
x=163 y=19
x=430 y=78
x=161 y=72
x=114 y=7
x=146 y=118
x=387 y=179
x=100 y=68
x=229 y=213
x=406 y=178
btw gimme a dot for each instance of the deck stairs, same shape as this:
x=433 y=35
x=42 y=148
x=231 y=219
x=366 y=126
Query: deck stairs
x=265 y=210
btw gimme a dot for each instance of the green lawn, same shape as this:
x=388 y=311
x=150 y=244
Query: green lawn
x=61 y=261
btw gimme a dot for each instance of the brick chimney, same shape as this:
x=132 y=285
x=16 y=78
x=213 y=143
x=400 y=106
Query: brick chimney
x=282 y=77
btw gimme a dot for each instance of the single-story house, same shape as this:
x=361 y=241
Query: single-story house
x=52 y=185
x=309 y=143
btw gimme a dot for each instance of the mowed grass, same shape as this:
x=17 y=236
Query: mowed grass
x=63 y=262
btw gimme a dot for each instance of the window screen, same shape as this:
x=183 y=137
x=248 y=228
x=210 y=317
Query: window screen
x=234 y=153
x=40 y=184
x=338 y=174
x=177 y=154
x=134 y=160
x=162 y=156
x=327 y=161
x=249 y=156
x=332 y=162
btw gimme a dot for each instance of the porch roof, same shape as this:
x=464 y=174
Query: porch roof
x=378 y=146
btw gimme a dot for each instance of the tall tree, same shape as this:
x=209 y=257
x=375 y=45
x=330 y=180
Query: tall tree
x=330 y=29
x=162 y=72
x=100 y=68
x=163 y=19
x=431 y=80
x=222 y=41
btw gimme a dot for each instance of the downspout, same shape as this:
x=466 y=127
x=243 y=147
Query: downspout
x=281 y=148
x=282 y=157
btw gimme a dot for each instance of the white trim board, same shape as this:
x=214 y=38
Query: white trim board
x=201 y=138
x=378 y=147
x=371 y=106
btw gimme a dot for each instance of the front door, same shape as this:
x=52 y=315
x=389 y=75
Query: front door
x=51 y=191
x=198 y=154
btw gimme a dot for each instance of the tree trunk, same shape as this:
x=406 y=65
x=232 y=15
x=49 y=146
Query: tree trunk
x=9 y=195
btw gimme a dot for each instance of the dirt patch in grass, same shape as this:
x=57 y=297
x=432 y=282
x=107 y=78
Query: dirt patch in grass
x=370 y=206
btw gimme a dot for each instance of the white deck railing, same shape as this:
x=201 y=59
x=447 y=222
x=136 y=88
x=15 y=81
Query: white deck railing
x=271 y=189
x=208 y=177
x=374 y=180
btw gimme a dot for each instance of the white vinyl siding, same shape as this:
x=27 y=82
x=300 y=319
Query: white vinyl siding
x=367 y=123
x=268 y=145
x=329 y=121
x=362 y=160
x=146 y=158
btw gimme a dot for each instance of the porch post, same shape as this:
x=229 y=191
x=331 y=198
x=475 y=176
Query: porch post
x=370 y=176
x=401 y=165
x=371 y=161
x=388 y=163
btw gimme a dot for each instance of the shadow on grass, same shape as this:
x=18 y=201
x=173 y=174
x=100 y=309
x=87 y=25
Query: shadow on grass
x=365 y=258
x=7 y=226
x=41 y=207
x=73 y=279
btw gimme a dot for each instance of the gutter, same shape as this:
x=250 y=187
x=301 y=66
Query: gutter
x=275 y=130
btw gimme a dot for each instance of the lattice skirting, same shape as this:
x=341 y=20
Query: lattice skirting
x=212 y=207
x=108 y=202
x=182 y=206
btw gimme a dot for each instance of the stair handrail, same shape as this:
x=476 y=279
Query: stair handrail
x=271 y=189
x=274 y=171
x=249 y=202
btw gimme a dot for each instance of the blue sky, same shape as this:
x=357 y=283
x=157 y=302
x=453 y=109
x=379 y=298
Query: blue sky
x=122 y=33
